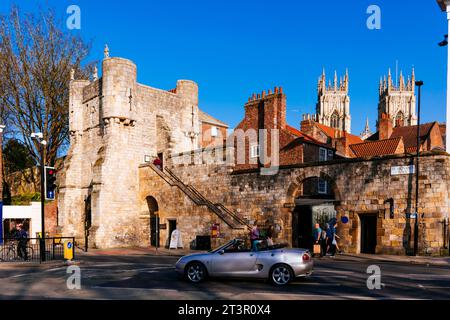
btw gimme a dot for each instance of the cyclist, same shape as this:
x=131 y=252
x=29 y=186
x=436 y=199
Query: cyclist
x=22 y=237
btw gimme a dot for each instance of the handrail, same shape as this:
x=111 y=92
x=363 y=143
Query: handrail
x=198 y=198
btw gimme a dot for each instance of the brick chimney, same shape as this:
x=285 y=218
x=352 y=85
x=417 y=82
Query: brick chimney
x=385 y=127
x=269 y=108
x=307 y=125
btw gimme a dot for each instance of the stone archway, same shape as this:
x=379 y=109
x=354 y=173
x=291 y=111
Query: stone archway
x=154 y=220
x=314 y=198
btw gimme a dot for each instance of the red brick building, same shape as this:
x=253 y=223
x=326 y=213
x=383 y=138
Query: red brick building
x=335 y=138
x=264 y=139
x=431 y=135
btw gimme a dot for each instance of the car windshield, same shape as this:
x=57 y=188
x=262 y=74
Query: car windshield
x=240 y=245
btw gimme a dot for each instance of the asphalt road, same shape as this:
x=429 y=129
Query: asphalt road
x=153 y=277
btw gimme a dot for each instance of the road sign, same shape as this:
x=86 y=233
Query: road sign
x=68 y=250
x=395 y=171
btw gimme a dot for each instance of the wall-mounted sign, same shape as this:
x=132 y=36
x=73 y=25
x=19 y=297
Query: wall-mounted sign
x=163 y=226
x=215 y=230
x=344 y=219
x=395 y=171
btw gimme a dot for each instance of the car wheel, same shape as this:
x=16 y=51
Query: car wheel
x=281 y=274
x=195 y=272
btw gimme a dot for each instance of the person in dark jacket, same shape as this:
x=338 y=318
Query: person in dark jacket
x=22 y=240
x=331 y=231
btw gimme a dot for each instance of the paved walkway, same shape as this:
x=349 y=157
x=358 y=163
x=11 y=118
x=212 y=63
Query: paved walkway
x=138 y=251
x=426 y=260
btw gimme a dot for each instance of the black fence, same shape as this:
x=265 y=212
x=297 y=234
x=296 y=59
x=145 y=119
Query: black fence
x=35 y=250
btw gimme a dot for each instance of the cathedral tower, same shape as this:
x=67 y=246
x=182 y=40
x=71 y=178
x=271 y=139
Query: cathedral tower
x=333 y=105
x=398 y=100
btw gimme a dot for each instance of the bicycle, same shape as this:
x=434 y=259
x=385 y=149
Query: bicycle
x=9 y=252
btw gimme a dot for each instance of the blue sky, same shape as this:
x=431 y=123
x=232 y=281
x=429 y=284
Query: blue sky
x=234 y=48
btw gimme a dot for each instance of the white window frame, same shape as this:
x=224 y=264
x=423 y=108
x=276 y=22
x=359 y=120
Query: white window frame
x=323 y=183
x=330 y=154
x=254 y=151
x=214 y=131
x=325 y=154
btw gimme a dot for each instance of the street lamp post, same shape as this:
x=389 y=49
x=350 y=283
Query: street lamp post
x=445 y=7
x=42 y=143
x=419 y=84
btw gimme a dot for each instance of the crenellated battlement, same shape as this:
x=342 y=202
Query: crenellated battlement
x=255 y=97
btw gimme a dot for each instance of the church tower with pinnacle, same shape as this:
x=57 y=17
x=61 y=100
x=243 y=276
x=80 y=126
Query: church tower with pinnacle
x=333 y=104
x=398 y=100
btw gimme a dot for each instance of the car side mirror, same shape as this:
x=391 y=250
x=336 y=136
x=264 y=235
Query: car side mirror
x=221 y=252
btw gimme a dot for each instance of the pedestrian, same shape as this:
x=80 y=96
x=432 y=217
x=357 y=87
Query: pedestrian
x=157 y=163
x=317 y=234
x=335 y=241
x=323 y=240
x=22 y=239
x=269 y=235
x=331 y=248
x=254 y=236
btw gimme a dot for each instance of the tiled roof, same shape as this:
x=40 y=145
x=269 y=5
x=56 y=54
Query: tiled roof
x=409 y=134
x=204 y=117
x=376 y=148
x=300 y=134
x=331 y=132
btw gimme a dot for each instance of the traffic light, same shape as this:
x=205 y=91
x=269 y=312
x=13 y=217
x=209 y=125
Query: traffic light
x=50 y=183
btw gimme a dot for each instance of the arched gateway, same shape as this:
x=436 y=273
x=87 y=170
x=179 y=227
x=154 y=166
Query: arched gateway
x=315 y=199
x=154 y=220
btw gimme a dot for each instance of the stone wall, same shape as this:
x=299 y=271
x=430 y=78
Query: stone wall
x=360 y=187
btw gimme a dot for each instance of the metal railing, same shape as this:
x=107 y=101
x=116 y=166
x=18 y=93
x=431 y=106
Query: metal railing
x=229 y=217
x=33 y=250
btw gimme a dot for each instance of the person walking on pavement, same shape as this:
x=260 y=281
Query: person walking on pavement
x=331 y=248
x=317 y=235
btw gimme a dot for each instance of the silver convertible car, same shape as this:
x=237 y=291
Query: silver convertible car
x=235 y=260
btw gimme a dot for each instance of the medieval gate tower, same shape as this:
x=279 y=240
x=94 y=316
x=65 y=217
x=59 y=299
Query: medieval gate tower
x=116 y=124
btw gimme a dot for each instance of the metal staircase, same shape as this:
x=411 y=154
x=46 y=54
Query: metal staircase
x=225 y=214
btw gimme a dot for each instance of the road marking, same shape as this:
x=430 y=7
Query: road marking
x=318 y=284
x=19 y=275
x=431 y=287
x=334 y=271
x=420 y=275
